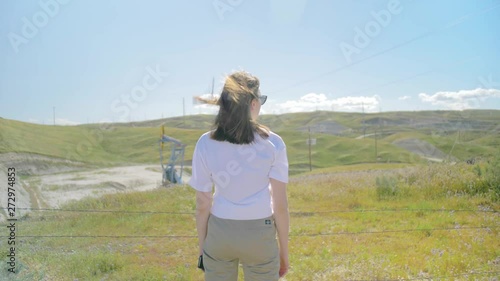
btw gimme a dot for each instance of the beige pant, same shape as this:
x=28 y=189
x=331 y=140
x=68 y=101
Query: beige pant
x=251 y=242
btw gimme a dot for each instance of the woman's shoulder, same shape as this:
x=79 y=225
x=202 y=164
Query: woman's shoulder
x=205 y=137
x=276 y=140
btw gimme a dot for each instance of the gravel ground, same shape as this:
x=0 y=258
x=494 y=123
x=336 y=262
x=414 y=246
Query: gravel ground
x=51 y=182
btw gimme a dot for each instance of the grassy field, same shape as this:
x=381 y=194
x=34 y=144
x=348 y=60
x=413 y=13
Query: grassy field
x=362 y=223
x=125 y=145
x=461 y=135
x=106 y=145
x=369 y=210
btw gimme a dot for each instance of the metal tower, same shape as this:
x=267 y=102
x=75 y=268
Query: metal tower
x=170 y=174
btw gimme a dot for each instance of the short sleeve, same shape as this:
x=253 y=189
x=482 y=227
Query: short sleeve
x=279 y=168
x=201 y=179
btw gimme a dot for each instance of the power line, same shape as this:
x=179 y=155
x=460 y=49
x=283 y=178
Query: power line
x=105 y=211
x=108 y=236
x=291 y=235
x=395 y=210
x=427 y=34
x=292 y=213
x=354 y=63
x=394 y=231
x=408 y=78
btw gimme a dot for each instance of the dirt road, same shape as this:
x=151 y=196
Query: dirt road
x=50 y=183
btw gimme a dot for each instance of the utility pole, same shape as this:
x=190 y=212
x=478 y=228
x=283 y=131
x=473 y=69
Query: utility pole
x=376 y=131
x=381 y=124
x=376 y=153
x=310 y=159
x=213 y=82
x=183 y=112
x=363 y=112
x=54 y=114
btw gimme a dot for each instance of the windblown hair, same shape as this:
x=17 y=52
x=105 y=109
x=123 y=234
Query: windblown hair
x=234 y=122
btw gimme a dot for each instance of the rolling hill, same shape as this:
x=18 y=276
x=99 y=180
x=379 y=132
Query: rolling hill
x=342 y=138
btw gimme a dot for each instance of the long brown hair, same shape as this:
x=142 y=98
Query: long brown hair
x=234 y=122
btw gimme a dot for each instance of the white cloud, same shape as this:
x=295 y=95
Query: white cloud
x=206 y=109
x=64 y=122
x=463 y=99
x=308 y=102
x=59 y=121
x=313 y=101
x=404 y=98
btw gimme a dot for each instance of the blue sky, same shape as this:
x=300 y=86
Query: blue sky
x=97 y=61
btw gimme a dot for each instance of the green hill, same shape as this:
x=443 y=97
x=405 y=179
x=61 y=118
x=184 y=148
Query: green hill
x=342 y=138
x=94 y=144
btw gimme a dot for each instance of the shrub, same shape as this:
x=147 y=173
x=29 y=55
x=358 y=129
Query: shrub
x=440 y=180
x=490 y=179
x=387 y=187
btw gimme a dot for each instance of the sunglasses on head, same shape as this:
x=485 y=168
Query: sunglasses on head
x=262 y=99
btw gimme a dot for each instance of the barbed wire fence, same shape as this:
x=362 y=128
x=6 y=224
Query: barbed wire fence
x=293 y=214
x=315 y=275
x=291 y=235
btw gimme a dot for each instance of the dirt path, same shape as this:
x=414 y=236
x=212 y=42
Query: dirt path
x=424 y=149
x=58 y=189
x=49 y=183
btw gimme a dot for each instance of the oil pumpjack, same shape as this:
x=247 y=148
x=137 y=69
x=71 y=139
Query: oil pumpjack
x=169 y=172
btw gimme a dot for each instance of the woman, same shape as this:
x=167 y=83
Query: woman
x=248 y=166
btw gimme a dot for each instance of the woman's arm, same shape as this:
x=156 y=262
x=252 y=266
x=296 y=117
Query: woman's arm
x=282 y=219
x=203 y=205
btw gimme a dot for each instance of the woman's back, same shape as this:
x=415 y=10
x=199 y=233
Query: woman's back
x=240 y=174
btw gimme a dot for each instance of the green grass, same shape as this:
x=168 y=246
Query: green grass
x=97 y=145
x=341 y=228
x=349 y=199
x=137 y=142
x=125 y=145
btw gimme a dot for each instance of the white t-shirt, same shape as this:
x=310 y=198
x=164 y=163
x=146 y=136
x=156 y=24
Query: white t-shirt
x=240 y=174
